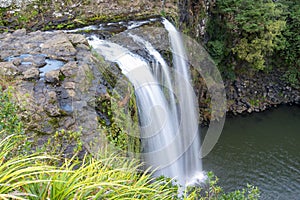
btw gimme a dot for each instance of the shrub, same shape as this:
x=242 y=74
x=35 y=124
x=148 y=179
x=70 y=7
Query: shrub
x=9 y=121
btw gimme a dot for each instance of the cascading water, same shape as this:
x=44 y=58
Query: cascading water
x=168 y=120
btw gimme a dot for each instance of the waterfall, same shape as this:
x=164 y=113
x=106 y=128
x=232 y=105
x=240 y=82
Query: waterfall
x=166 y=103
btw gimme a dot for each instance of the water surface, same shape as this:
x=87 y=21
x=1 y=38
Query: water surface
x=262 y=149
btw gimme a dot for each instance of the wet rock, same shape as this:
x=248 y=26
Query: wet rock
x=52 y=110
x=259 y=92
x=297 y=99
x=52 y=97
x=240 y=109
x=52 y=76
x=71 y=93
x=64 y=94
x=31 y=73
x=83 y=46
x=248 y=105
x=51 y=106
x=17 y=3
x=67 y=123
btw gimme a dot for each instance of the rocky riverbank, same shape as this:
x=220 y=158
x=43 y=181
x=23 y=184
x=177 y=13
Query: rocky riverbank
x=259 y=92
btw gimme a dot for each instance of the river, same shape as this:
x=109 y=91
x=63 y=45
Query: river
x=262 y=149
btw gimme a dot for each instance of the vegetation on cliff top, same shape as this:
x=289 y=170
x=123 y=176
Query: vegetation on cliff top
x=68 y=14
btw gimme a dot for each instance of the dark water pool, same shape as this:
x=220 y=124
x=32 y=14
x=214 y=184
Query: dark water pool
x=262 y=149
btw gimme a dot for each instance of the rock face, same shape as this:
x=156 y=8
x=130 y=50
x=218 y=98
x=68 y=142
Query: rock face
x=260 y=92
x=52 y=76
x=193 y=16
x=249 y=94
x=56 y=99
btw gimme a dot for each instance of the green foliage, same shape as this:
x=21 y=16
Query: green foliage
x=16 y=172
x=120 y=124
x=250 y=30
x=249 y=35
x=292 y=75
x=254 y=102
x=216 y=50
x=118 y=112
x=250 y=193
x=111 y=177
x=59 y=143
x=290 y=54
x=212 y=191
x=9 y=121
x=10 y=124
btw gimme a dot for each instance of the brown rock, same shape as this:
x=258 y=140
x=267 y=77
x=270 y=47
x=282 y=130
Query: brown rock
x=69 y=69
x=77 y=39
x=52 y=76
x=59 y=45
x=8 y=69
x=31 y=73
x=69 y=85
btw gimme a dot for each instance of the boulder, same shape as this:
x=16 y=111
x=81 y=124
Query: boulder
x=35 y=60
x=31 y=73
x=76 y=39
x=60 y=98
x=59 y=46
x=52 y=76
x=69 y=69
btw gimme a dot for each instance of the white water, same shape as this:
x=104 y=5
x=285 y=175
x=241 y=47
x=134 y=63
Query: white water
x=161 y=72
x=168 y=120
x=191 y=161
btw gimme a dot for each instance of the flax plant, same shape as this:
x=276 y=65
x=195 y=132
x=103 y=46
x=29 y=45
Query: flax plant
x=100 y=179
x=16 y=172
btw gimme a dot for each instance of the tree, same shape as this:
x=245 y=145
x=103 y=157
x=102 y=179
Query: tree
x=249 y=29
x=290 y=54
